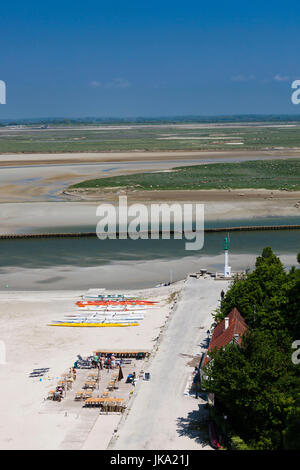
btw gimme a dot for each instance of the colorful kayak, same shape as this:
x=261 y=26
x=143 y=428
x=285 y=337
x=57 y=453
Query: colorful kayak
x=108 y=297
x=84 y=303
x=98 y=325
x=112 y=308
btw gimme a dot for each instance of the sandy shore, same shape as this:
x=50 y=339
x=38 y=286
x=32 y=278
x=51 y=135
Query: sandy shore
x=45 y=177
x=124 y=275
x=218 y=205
x=28 y=192
x=172 y=425
x=26 y=420
x=85 y=157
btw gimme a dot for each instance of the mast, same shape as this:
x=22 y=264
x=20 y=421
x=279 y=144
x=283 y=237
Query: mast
x=227 y=268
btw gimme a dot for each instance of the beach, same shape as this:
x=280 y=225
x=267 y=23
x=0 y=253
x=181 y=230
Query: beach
x=34 y=290
x=124 y=275
x=27 y=420
x=165 y=412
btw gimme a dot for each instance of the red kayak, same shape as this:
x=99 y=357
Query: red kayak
x=84 y=303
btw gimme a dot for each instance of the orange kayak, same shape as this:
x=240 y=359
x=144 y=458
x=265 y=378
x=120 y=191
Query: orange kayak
x=83 y=303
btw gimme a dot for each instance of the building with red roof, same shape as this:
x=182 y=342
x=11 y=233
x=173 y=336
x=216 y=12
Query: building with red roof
x=229 y=330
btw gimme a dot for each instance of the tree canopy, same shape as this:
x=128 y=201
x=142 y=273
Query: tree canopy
x=256 y=384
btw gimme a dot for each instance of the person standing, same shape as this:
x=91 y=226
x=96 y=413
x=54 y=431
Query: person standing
x=197 y=381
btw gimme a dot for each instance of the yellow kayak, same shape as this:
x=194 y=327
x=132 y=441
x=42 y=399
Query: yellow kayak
x=99 y=325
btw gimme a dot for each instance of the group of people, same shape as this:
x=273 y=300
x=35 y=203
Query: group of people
x=59 y=391
x=104 y=362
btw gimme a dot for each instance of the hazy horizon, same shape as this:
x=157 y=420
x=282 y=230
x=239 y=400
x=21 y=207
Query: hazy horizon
x=225 y=118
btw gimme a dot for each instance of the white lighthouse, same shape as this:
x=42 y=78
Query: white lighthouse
x=227 y=268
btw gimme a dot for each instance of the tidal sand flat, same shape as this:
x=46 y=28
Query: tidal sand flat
x=218 y=205
x=13 y=159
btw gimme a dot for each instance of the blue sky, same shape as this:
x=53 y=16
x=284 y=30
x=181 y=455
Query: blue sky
x=142 y=58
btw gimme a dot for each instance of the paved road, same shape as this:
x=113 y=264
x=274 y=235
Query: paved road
x=161 y=414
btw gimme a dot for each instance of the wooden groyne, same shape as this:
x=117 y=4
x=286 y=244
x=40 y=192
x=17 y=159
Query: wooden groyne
x=172 y=232
x=248 y=228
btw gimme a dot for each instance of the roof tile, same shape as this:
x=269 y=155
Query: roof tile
x=222 y=336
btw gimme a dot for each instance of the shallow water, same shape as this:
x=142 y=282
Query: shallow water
x=258 y=221
x=75 y=263
x=38 y=253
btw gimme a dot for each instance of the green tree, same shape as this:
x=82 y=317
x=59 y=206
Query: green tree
x=255 y=386
x=261 y=297
x=291 y=435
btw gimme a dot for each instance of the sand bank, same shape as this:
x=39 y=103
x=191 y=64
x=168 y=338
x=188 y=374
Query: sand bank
x=218 y=205
x=124 y=275
x=85 y=157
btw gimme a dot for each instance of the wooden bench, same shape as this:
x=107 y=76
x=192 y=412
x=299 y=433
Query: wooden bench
x=90 y=384
x=79 y=395
x=109 y=404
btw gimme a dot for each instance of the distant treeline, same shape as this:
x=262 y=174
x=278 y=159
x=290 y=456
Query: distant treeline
x=239 y=118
